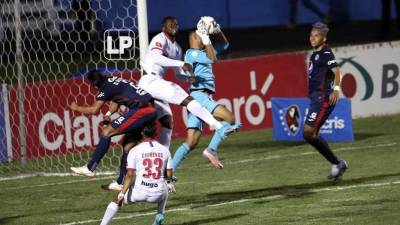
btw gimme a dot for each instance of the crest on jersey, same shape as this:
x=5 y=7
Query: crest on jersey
x=158 y=44
x=290 y=118
x=310 y=67
x=316 y=57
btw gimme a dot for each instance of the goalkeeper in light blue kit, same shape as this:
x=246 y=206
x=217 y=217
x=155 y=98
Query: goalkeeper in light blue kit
x=201 y=55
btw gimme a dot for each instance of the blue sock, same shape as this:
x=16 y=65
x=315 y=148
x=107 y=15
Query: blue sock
x=122 y=167
x=180 y=155
x=214 y=143
x=99 y=152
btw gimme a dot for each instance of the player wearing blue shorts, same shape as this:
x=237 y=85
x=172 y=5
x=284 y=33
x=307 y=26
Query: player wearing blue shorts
x=323 y=91
x=140 y=112
x=202 y=56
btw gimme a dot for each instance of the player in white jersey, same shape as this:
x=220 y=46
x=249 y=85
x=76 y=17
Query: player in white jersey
x=164 y=52
x=152 y=164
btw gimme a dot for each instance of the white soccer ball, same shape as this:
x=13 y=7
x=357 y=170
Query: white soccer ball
x=210 y=24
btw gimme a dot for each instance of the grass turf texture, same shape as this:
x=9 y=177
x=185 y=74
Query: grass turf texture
x=263 y=182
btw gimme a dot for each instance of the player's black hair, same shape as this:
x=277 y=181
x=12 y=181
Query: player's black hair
x=96 y=78
x=321 y=27
x=150 y=130
x=165 y=19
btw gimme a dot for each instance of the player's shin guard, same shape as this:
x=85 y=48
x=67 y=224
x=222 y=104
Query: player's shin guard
x=322 y=146
x=122 y=167
x=180 y=155
x=201 y=112
x=214 y=143
x=165 y=136
x=99 y=152
x=111 y=210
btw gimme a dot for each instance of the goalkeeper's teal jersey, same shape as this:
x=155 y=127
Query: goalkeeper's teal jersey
x=202 y=67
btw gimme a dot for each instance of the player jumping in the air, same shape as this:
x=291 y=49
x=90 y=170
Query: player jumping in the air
x=323 y=91
x=122 y=92
x=164 y=52
x=201 y=56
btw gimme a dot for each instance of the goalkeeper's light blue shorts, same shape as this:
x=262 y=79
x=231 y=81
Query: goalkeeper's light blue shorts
x=205 y=99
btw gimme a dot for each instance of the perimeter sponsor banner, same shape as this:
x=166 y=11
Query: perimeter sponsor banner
x=289 y=115
x=245 y=86
x=370 y=77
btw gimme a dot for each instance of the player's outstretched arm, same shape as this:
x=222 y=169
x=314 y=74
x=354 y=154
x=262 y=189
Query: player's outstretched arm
x=88 y=110
x=163 y=61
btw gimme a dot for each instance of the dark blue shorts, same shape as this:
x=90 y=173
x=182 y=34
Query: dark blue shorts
x=134 y=120
x=318 y=112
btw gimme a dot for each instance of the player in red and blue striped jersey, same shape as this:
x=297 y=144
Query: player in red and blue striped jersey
x=323 y=91
x=119 y=92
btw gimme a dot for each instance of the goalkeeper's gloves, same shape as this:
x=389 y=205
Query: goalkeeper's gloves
x=217 y=29
x=205 y=38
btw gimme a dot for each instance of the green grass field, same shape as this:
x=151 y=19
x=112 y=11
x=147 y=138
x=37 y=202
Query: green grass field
x=263 y=182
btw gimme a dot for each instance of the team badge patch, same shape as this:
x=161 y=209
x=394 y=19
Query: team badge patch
x=290 y=119
x=316 y=57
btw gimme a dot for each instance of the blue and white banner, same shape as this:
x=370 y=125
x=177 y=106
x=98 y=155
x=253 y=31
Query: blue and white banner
x=288 y=116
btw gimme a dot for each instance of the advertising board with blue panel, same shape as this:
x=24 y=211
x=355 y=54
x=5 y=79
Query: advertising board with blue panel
x=288 y=115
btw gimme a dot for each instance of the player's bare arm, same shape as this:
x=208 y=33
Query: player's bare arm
x=334 y=97
x=87 y=110
x=128 y=181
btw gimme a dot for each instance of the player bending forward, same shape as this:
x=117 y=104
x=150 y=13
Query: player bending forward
x=151 y=163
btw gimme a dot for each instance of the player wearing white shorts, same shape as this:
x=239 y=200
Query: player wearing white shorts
x=164 y=52
x=152 y=164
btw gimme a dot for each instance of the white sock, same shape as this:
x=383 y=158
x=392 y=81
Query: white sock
x=165 y=136
x=201 y=112
x=111 y=210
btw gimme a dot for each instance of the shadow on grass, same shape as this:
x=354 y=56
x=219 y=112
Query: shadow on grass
x=291 y=190
x=286 y=191
x=5 y=220
x=212 y=219
x=265 y=144
x=362 y=136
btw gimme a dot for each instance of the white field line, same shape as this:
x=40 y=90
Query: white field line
x=311 y=153
x=226 y=162
x=239 y=201
x=105 y=173
x=59 y=183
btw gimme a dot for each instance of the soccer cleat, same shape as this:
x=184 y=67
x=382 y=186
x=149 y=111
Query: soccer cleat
x=213 y=158
x=113 y=186
x=159 y=219
x=227 y=129
x=338 y=170
x=83 y=170
x=174 y=179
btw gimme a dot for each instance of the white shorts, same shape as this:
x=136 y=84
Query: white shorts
x=162 y=90
x=163 y=109
x=139 y=195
